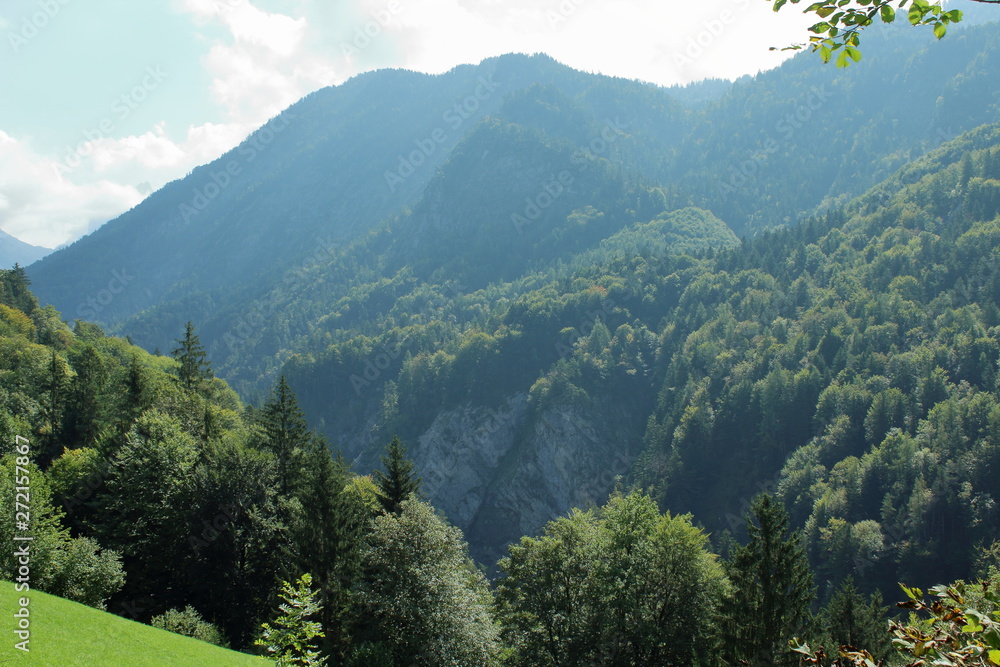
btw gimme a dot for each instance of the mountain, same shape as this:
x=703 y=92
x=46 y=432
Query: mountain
x=551 y=294
x=14 y=251
x=345 y=159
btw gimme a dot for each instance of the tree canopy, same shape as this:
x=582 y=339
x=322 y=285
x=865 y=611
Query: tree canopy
x=841 y=22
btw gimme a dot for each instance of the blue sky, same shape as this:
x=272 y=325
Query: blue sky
x=104 y=101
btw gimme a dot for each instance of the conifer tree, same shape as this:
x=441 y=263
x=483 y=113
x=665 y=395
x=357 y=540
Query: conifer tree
x=55 y=386
x=289 y=640
x=138 y=396
x=398 y=481
x=327 y=536
x=285 y=429
x=195 y=366
x=88 y=404
x=772 y=589
x=851 y=621
x=15 y=292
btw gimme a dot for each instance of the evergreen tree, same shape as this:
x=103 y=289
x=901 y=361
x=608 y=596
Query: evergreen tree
x=326 y=537
x=290 y=640
x=851 y=621
x=15 y=292
x=88 y=403
x=398 y=481
x=285 y=430
x=55 y=386
x=195 y=367
x=772 y=589
x=137 y=395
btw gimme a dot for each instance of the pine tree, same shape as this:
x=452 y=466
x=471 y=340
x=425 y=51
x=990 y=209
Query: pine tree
x=55 y=387
x=851 y=621
x=88 y=404
x=285 y=429
x=398 y=481
x=290 y=640
x=195 y=367
x=15 y=292
x=137 y=395
x=772 y=589
x=327 y=536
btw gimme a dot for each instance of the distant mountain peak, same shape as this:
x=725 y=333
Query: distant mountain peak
x=15 y=251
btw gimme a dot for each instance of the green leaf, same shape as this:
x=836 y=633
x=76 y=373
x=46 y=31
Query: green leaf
x=940 y=29
x=888 y=14
x=912 y=593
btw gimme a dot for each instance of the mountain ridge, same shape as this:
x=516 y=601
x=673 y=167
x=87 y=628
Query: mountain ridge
x=15 y=251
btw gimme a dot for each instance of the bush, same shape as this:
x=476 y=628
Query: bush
x=85 y=573
x=190 y=624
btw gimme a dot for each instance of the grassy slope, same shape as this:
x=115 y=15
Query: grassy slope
x=68 y=634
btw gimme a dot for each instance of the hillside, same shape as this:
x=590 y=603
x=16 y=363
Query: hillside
x=696 y=373
x=14 y=251
x=69 y=634
x=521 y=365
x=569 y=207
x=344 y=160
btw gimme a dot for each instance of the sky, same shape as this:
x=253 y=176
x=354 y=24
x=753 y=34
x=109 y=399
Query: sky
x=102 y=102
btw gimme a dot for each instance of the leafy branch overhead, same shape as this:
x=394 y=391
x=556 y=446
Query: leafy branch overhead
x=841 y=22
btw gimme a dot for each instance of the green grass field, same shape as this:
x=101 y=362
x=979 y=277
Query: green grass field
x=68 y=634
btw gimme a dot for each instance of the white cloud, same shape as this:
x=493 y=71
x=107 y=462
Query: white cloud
x=262 y=70
x=265 y=68
x=42 y=207
x=266 y=61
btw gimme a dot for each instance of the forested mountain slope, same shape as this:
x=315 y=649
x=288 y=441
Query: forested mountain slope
x=695 y=372
x=557 y=296
x=857 y=355
x=345 y=159
x=14 y=251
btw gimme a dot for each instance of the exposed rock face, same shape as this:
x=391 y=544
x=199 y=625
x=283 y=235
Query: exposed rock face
x=500 y=473
x=459 y=455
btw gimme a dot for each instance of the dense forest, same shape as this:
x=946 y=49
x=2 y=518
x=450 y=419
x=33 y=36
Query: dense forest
x=616 y=375
x=860 y=345
x=445 y=308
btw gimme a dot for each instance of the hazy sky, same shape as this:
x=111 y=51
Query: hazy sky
x=103 y=101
